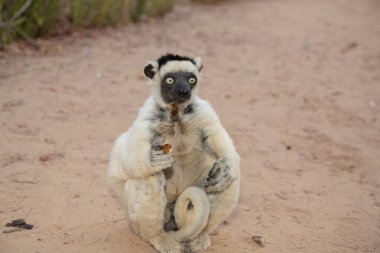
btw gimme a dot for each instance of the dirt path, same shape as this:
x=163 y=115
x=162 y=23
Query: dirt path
x=296 y=83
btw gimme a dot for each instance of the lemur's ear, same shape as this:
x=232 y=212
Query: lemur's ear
x=148 y=70
x=198 y=63
x=151 y=69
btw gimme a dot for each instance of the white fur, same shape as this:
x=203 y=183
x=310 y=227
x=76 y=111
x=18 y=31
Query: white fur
x=177 y=66
x=142 y=188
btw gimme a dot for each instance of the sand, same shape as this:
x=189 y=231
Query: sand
x=296 y=84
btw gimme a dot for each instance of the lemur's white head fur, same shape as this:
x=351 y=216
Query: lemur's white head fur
x=173 y=78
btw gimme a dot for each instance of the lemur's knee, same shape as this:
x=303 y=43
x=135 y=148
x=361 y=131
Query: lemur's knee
x=191 y=213
x=145 y=202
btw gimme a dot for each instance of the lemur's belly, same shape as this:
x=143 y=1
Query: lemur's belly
x=187 y=170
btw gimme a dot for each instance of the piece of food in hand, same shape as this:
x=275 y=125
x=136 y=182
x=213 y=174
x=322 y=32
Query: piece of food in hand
x=167 y=148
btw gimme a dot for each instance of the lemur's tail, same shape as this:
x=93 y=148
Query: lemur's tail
x=191 y=212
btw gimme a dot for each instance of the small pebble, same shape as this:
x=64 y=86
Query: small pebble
x=15 y=223
x=259 y=240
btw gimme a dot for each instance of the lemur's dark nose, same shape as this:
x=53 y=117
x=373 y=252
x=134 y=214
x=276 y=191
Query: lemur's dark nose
x=184 y=92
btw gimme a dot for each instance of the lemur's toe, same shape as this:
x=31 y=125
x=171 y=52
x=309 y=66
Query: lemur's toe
x=201 y=243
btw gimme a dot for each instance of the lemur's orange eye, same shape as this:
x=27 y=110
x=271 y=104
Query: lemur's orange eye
x=169 y=80
x=192 y=80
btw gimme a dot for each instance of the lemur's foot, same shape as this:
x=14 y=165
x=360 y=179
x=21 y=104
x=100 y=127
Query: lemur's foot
x=201 y=243
x=219 y=177
x=165 y=243
x=160 y=159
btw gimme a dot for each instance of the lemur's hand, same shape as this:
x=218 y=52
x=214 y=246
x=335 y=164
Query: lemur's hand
x=219 y=177
x=160 y=157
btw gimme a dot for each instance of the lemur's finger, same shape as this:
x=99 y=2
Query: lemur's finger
x=212 y=181
x=214 y=173
x=166 y=163
x=164 y=160
x=158 y=153
x=159 y=158
x=156 y=147
x=163 y=164
x=221 y=185
x=166 y=148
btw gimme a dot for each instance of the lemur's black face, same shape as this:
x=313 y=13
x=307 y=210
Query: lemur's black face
x=176 y=87
x=175 y=76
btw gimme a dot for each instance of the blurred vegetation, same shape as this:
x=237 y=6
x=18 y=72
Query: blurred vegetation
x=27 y=19
x=208 y=1
x=140 y=8
x=97 y=13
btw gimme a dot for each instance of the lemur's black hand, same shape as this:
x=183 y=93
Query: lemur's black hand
x=219 y=177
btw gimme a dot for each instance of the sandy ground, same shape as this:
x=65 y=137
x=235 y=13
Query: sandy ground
x=296 y=83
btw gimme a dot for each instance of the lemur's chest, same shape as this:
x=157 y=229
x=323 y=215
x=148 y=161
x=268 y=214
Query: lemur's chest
x=182 y=137
x=179 y=129
x=184 y=134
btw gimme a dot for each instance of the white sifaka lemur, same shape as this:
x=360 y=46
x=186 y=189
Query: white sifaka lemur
x=175 y=200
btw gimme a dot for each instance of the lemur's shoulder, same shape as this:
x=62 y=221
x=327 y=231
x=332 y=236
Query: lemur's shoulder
x=204 y=113
x=145 y=114
x=203 y=106
x=147 y=108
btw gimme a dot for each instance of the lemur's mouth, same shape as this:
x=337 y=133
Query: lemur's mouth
x=181 y=100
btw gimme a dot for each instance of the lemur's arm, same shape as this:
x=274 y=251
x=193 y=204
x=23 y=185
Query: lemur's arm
x=227 y=167
x=140 y=160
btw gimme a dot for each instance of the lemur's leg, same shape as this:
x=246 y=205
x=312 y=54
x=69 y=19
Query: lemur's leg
x=191 y=213
x=222 y=182
x=145 y=201
x=222 y=204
